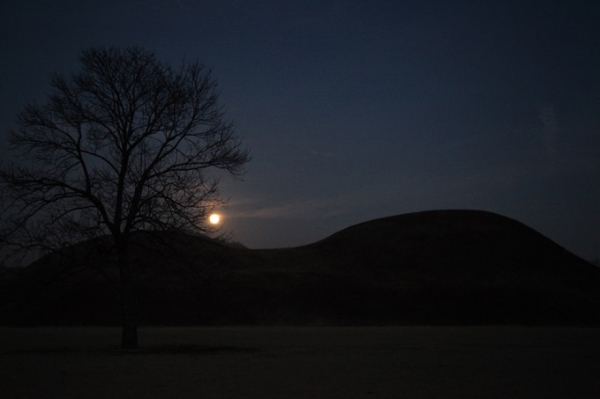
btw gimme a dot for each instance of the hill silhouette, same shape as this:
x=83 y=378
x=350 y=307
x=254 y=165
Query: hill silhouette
x=452 y=267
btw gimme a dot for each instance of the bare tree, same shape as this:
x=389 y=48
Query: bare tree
x=129 y=143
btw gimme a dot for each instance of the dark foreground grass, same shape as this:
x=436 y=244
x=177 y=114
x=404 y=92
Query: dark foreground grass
x=311 y=362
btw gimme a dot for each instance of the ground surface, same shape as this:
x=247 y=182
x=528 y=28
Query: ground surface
x=308 y=362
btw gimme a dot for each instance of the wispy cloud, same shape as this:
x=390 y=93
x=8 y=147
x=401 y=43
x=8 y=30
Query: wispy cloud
x=296 y=209
x=551 y=129
x=323 y=154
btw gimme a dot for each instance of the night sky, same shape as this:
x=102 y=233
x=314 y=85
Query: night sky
x=355 y=110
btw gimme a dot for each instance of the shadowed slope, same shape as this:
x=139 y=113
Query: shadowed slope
x=471 y=266
x=435 y=267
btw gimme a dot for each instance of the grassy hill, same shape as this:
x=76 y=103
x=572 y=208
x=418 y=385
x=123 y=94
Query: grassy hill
x=435 y=267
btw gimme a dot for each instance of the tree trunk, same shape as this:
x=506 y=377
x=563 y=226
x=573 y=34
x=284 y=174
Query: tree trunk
x=129 y=338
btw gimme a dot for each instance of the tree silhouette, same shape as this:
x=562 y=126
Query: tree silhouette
x=129 y=143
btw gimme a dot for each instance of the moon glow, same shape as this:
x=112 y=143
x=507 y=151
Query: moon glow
x=214 y=218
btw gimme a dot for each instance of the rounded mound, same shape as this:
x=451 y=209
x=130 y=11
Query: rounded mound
x=453 y=267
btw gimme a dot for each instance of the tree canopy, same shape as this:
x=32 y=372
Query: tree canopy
x=128 y=143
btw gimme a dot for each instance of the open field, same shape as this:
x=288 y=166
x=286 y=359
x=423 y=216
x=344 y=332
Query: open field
x=304 y=362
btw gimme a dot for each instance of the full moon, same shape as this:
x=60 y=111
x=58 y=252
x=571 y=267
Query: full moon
x=214 y=218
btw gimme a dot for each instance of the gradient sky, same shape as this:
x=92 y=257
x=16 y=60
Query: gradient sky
x=355 y=110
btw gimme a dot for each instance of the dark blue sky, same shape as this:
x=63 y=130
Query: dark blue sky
x=355 y=110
